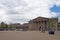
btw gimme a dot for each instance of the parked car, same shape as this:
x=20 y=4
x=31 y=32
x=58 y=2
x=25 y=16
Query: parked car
x=52 y=32
x=1 y=29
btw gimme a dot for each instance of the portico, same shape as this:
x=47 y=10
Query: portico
x=40 y=23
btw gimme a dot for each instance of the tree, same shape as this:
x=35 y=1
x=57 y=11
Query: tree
x=51 y=24
x=58 y=24
x=2 y=24
x=10 y=26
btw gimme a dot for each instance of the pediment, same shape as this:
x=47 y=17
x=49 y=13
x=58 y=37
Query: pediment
x=40 y=19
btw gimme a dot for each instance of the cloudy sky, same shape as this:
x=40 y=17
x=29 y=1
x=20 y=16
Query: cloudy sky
x=21 y=11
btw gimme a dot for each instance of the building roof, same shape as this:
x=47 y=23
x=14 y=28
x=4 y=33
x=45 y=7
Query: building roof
x=39 y=19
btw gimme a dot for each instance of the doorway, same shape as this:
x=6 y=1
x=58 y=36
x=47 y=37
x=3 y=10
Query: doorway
x=40 y=28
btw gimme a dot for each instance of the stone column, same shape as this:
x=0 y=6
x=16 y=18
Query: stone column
x=42 y=26
x=46 y=25
x=35 y=26
x=38 y=26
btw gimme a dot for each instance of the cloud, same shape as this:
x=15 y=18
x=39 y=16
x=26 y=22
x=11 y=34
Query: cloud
x=24 y=10
x=55 y=9
x=57 y=2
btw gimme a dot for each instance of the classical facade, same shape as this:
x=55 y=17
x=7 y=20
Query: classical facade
x=41 y=23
